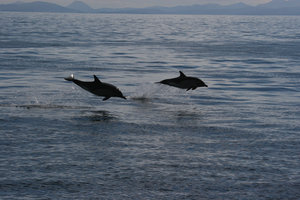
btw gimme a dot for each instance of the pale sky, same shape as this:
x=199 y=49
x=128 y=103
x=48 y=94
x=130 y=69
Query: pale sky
x=142 y=3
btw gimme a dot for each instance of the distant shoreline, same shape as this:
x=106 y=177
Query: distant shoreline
x=208 y=9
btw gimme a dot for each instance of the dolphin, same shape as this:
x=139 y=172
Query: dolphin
x=98 y=88
x=184 y=82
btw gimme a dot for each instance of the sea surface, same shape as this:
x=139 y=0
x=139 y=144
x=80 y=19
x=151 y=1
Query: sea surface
x=237 y=139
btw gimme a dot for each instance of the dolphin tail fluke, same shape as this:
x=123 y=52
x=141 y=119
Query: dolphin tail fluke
x=70 y=78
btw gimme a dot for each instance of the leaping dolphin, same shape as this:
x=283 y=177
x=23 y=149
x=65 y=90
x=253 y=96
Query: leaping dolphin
x=98 y=88
x=184 y=82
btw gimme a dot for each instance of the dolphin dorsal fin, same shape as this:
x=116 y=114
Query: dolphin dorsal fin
x=182 y=75
x=96 y=79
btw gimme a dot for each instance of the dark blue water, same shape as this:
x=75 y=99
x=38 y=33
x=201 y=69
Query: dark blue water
x=237 y=139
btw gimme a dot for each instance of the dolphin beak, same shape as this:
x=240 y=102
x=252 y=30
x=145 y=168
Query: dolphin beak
x=124 y=97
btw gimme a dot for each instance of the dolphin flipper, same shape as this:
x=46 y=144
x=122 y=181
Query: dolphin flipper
x=105 y=98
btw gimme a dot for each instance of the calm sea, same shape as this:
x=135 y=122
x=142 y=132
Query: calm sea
x=237 y=139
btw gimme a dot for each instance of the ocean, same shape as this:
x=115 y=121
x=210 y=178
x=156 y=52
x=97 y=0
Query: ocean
x=239 y=138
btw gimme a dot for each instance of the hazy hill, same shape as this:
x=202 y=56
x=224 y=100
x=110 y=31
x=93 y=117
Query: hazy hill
x=81 y=7
x=275 y=7
x=281 y=4
x=37 y=6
